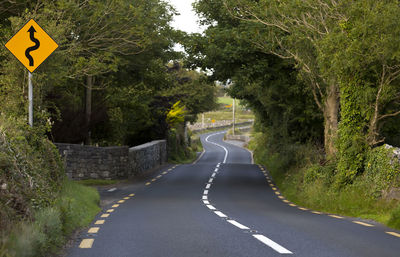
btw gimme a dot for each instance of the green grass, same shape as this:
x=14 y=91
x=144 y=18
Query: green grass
x=79 y=204
x=290 y=168
x=99 y=182
x=189 y=155
x=226 y=115
x=75 y=207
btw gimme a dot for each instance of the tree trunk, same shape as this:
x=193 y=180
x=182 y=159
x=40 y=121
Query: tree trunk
x=331 y=113
x=88 y=108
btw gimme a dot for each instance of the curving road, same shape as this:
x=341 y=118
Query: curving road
x=223 y=205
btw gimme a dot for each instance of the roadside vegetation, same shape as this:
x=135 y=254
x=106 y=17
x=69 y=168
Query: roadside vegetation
x=39 y=207
x=323 y=80
x=114 y=80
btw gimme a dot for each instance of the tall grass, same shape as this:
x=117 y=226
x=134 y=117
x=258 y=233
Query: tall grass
x=75 y=207
x=307 y=179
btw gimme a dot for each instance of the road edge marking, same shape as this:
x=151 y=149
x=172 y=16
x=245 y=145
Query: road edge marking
x=86 y=243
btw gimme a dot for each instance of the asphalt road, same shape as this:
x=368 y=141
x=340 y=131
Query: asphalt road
x=223 y=205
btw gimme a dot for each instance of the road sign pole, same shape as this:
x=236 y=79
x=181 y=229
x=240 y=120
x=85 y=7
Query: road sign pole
x=233 y=117
x=30 y=96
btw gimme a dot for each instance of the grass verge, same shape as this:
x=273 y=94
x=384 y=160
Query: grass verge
x=188 y=155
x=75 y=207
x=302 y=179
x=99 y=182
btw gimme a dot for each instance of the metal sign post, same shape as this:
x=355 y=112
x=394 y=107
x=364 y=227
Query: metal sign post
x=233 y=117
x=31 y=45
x=30 y=97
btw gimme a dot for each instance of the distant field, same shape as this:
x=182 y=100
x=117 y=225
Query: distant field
x=226 y=100
x=225 y=113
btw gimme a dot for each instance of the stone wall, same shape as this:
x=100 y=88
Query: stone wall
x=146 y=157
x=197 y=128
x=242 y=138
x=90 y=162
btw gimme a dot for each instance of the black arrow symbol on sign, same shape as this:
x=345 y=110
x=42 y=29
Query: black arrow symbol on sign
x=32 y=31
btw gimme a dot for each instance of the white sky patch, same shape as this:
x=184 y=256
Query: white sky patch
x=187 y=20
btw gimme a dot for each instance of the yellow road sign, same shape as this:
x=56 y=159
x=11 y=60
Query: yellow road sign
x=213 y=121
x=31 y=45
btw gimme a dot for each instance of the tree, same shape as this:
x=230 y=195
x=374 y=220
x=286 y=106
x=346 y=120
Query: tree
x=267 y=83
x=292 y=31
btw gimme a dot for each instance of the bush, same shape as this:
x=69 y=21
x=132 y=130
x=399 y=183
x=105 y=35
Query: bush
x=382 y=169
x=31 y=171
x=307 y=179
x=394 y=220
x=181 y=149
x=75 y=207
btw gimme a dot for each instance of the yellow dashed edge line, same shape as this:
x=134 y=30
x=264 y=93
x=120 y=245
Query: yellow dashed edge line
x=363 y=223
x=317 y=212
x=93 y=230
x=335 y=216
x=393 y=233
x=86 y=243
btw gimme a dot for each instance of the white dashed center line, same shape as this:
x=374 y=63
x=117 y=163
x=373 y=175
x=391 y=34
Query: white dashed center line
x=211 y=207
x=220 y=214
x=280 y=249
x=237 y=224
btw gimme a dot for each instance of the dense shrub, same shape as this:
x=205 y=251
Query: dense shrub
x=308 y=179
x=31 y=171
x=382 y=169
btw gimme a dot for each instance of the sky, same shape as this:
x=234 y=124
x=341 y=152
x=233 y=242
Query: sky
x=187 y=20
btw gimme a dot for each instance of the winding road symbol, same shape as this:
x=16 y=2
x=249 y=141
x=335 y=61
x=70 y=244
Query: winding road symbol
x=32 y=31
x=31 y=45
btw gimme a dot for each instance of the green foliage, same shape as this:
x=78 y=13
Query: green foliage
x=394 y=220
x=181 y=149
x=98 y=182
x=305 y=178
x=176 y=114
x=30 y=181
x=75 y=207
x=352 y=143
x=266 y=83
x=382 y=169
x=78 y=205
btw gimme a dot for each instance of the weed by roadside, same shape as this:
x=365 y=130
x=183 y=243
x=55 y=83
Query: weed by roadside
x=75 y=207
x=307 y=179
